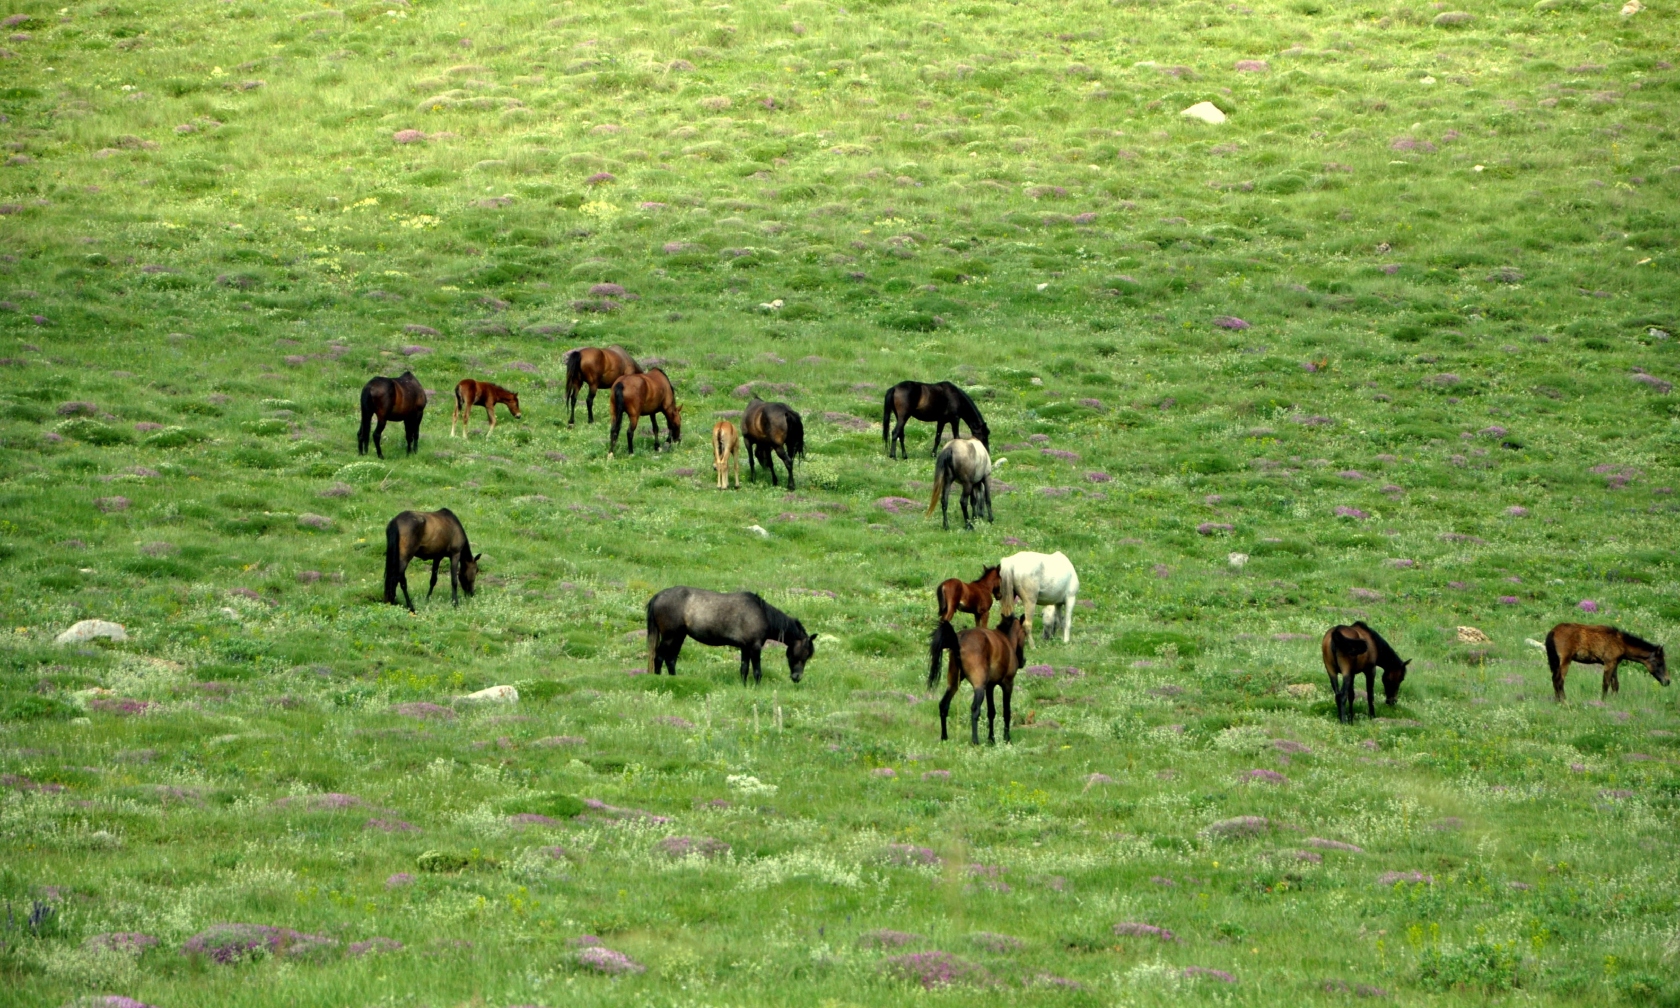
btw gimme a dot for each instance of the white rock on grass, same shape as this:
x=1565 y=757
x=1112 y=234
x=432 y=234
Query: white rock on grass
x=494 y=694
x=88 y=629
x=1236 y=559
x=1207 y=112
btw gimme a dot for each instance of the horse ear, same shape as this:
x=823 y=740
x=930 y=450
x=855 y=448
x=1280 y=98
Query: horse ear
x=1406 y=664
x=476 y=559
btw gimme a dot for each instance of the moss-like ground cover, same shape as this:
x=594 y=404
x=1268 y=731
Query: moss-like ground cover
x=1394 y=342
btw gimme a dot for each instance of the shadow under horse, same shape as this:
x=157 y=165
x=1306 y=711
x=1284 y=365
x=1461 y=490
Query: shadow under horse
x=400 y=398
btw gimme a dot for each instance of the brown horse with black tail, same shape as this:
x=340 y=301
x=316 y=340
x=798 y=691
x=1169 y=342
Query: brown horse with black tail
x=1351 y=650
x=942 y=404
x=400 y=398
x=772 y=430
x=640 y=395
x=598 y=368
x=1600 y=645
x=470 y=392
x=976 y=597
x=987 y=659
x=434 y=536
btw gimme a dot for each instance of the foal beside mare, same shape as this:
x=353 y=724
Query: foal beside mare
x=955 y=595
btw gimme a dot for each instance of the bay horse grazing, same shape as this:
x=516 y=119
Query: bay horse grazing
x=955 y=595
x=965 y=461
x=726 y=453
x=643 y=394
x=987 y=659
x=1040 y=579
x=1351 y=650
x=942 y=404
x=470 y=393
x=400 y=398
x=772 y=427
x=429 y=535
x=598 y=368
x=1600 y=645
x=738 y=619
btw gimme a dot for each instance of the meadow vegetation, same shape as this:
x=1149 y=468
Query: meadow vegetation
x=1395 y=342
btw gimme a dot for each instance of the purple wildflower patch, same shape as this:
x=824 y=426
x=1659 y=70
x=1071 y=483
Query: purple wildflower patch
x=389 y=826
x=231 y=943
x=1214 y=528
x=1587 y=605
x=895 y=505
x=909 y=855
x=1205 y=973
x=1231 y=322
x=885 y=772
x=678 y=847
x=1509 y=600
x=1343 y=511
x=1337 y=845
x=1264 y=776
x=933 y=970
x=1412 y=877
x=997 y=944
x=888 y=938
x=605 y=960
x=399 y=880
x=1040 y=671
x=937 y=775
x=131 y=942
x=1365 y=594
x=1057 y=453
x=375 y=944
x=423 y=710
x=1239 y=826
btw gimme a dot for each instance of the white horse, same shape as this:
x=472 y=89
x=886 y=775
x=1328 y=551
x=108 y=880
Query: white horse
x=1042 y=579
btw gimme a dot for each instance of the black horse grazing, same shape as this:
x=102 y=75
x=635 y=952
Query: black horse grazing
x=401 y=398
x=772 y=427
x=943 y=404
x=1351 y=650
x=434 y=536
x=738 y=619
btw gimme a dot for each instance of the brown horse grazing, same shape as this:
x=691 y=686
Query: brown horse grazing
x=644 y=394
x=401 y=398
x=726 y=453
x=1350 y=650
x=428 y=535
x=943 y=404
x=1600 y=645
x=975 y=597
x=772 y=427
x=470 y=393
x=986 y=658
x=597 y=368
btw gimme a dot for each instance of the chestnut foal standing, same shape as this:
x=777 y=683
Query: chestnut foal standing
x=470 y=392
x=955 y=595
x=726 y=452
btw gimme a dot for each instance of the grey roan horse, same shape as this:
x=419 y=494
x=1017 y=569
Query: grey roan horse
x=739 y=619
x=965 y=461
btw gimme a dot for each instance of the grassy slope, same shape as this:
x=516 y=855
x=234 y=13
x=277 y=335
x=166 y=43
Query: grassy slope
x=1000 y=193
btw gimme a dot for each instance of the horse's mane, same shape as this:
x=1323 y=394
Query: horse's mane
x=1385 y=651
x=967 y=403
x=780 y=622
x=1640 y=641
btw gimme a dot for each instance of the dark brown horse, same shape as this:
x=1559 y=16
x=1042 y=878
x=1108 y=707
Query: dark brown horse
x=942 y=404
x=434 y=536
x=644 y=394
x=769 y=427
x=1600 y=645
x=1350 y=650
x=955 y=595
x=598 y=368
x=401 y=398
x=470 y=392
x=986 y=658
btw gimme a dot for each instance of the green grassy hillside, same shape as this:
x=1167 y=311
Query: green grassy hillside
x=1394 y=342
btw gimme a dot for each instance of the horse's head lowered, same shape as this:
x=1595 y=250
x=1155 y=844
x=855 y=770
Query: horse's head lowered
x=673 y=420
x=1658 y=664
x=800 y=648
x=1394 y=673
x=513 y=405
x=469 y=573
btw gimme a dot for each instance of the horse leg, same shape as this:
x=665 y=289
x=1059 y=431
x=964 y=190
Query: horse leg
x=588 y=404
x=402 y=579
x=1370 y=692
x=991 y=714
x=455 y=581
x=945 y=711
x=1335 y=690
x=982 y=613
x=1612 y=684
x=1067 y=617
x=939 y=429
x=974 y=713
x=411 y=432
x=1049 y=622
x=1008 y=693
x=768 y=461
x=454 y=417
x=1558 y=677
x=653 y=421
x=758 y=666
x=962 y=502
x=379 y=438
x=898 y=439
x=491 y=409
x=787 y=460
x=433 y=588
x=630 y=435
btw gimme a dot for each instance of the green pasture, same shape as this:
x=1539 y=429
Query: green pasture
x=1394 y=342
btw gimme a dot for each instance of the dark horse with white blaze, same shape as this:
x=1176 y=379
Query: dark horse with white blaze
x=942 y=404
x=400 y=398
x=1351 y=650
x=1601 y=645
x=987 y=659
x=428 y=535
x=598 y=368
x=737 y=619
x=772 y=427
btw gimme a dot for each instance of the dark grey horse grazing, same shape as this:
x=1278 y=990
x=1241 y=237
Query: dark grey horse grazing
x=772 y=427
x=939 y=404
x=434 y=536
x=738 y=619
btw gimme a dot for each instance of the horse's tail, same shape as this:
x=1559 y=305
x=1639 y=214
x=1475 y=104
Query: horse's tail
x=617 y=400
x=944 y=639
x=941 y=473
x=652 y=639
x=1552 y=659
x=717 y=447
x=574 y=374
x=795 y=435
x=886 y=417
x=393 y=560
x=368 y=409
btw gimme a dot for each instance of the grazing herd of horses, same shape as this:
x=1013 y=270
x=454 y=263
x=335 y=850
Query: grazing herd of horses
x=986 y=658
